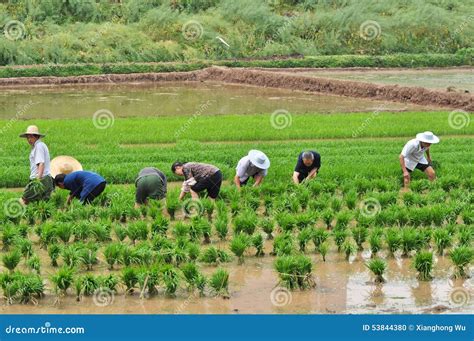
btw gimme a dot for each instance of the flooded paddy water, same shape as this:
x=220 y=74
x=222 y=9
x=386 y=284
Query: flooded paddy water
x=449 y=79
x=341 y=287
x=173 y=98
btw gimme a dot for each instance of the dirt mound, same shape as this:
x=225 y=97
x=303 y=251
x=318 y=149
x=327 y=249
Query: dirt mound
x=415 y=95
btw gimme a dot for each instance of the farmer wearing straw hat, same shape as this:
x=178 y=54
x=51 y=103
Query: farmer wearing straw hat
x=413 y=156
x=41 y=184
x=255 y=165
x=150 y=183
x=307 y=166
x=64 y=165
x=84 y=185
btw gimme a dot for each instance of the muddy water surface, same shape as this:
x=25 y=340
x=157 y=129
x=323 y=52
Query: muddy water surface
x=456 y=79
x=341 y=287
x=171 y=98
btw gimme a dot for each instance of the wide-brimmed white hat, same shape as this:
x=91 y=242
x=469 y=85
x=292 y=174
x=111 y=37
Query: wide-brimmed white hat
x=427 y=137
x=259 y=159
x=32 y=130
x=64 y=165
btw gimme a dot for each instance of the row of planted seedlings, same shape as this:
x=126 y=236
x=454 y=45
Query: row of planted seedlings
x=140 y=240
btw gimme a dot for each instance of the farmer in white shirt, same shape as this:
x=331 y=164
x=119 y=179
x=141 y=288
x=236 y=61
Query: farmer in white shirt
x=255 y=165
x=41 y=183
x=413 y=156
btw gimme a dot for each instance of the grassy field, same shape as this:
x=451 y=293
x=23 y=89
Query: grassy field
x=119 y=151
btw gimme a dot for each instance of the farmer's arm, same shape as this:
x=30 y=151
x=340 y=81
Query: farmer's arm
x=295 y=178
x=40 y=170
x=258 y=180
x=406 y=174
x=187 y=183
x=240 y=172
x=237 y=181
x=313 y=173
x=428 y=156
x=69 y=199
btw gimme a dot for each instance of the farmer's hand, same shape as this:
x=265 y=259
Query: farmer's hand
x=406 y=176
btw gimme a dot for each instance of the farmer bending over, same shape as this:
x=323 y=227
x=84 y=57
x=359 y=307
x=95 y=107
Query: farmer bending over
x=150 y=184
x=254 y=165
x=41 y=184
x=84 y=185
x=413 y=156
x=307 y=167
x=198 y=177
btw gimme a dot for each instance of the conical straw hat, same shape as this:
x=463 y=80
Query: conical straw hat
x=64 y=165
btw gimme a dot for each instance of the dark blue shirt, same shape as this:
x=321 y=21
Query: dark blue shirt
x=81 y=183
x=305 y=170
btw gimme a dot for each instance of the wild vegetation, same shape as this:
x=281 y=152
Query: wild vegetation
x=60 y=32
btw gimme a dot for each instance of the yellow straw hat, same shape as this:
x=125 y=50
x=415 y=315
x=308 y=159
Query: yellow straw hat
x=64 y=165
x=32 y=130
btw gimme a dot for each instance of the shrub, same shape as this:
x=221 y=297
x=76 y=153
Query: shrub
x=214 y=256
x=349 y=249
x=423 y=263
x=219 y=281
x=342 y=219
x=443 y=239
x=283 y=245
x=171 y=279
x=304 y=237
x=129 y=278
x=137 y=231
x=172 y=205
x=327 y=216
x=320 y=235
x=11 y=259
x=267 y=225
x=160 y=225
x=112 y=254
x=340 y=236
x=239 y=245
x=378 y=267
x=295 y=271
x=375 y=241
x=63 y=279
x=409 y=240
x=323 y=250
x=393 y=239
x=257 y=242
x=359 y=233
x=461 y=257
x=245 y=222
x=221 y=226
x=34 y=264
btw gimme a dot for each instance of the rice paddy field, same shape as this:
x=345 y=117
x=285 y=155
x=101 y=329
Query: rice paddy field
x=350 y=241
